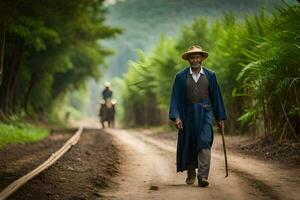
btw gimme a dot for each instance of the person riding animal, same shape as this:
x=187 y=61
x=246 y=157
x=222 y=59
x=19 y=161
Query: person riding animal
x=107 y=107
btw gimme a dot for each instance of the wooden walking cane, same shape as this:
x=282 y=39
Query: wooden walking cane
x=224 y=149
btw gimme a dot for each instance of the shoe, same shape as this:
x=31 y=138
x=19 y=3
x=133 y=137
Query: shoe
x=202 y=182
x=191 y=177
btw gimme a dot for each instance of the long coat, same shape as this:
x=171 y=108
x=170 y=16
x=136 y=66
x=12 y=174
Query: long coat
x=197 y=132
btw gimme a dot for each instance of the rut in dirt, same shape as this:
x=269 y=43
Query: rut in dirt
x=82 y=173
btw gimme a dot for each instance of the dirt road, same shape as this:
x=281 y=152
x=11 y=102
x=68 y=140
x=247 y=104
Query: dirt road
x=148 y=172
x=118 y=164
x=81 y=173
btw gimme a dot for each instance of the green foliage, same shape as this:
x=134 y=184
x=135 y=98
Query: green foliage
x=20 y=133
x=52 y=48
x=248 y=117
x=167 y=17
x=148 y=83
x=34 y=33
x=256 y=61
x=272 y=77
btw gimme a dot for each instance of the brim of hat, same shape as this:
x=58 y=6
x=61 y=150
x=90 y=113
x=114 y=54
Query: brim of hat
x=186 y=54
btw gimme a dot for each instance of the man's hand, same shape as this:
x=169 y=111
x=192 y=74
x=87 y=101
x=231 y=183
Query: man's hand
x=221 y=125
x=178 y=123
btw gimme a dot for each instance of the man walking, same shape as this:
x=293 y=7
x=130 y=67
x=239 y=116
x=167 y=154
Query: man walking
x=195 y=96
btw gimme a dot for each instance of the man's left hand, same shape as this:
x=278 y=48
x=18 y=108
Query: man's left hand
x=221 y=125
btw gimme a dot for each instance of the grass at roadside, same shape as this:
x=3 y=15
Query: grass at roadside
x=20 y=133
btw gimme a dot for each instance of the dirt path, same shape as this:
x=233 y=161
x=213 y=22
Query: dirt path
x=148 y=162
x=122 y=164
x=81 y=173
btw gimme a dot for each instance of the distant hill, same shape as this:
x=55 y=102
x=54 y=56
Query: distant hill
x=144 y=21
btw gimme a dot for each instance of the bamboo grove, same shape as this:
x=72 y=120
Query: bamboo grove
x=256 y=60
x=48 y=48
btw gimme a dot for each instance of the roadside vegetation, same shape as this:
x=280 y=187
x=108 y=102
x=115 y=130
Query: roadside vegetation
x=19 y=132
x=257 y=64
x=48 y=50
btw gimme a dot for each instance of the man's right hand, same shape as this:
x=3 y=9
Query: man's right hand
x=178 y=123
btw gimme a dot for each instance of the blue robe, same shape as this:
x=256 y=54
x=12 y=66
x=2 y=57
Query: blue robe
x=197 y=132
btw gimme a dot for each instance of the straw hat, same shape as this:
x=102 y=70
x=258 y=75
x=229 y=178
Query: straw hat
x=194 y=49
x=107 y=84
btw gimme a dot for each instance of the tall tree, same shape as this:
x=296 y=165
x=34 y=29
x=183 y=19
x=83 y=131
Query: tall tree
x=43 y=39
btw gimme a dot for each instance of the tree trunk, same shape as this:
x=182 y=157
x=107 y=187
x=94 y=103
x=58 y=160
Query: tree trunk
x=2 y=52
x=32 y=83
x=15 y=68
x=16 y=75
x=4 y=87
x=11 y=69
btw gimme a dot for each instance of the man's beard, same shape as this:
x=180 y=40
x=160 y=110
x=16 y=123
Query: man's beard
x=196 y=66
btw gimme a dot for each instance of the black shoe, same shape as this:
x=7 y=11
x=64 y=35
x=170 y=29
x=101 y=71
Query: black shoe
x=202 y=182
x=191 y=177
x=190 y=180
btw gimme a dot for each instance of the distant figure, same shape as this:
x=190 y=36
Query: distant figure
x=107 y=107
x=107 y=113
x=67 y=116
x=195 y=97
x=107 y=93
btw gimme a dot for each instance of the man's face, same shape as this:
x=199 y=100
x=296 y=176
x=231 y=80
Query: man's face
x=195 y=60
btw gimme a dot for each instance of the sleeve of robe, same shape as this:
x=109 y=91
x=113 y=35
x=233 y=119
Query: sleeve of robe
x=217 y=100
x=174 y=109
